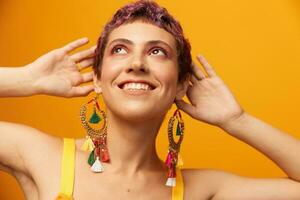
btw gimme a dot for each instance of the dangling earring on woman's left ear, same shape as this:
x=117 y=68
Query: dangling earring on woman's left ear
x=173 y=160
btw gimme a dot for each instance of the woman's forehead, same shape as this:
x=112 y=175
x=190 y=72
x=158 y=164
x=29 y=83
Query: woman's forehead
x=139 y=32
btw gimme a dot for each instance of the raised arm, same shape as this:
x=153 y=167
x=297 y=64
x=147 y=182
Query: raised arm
x=55 y=73
x=15 y=81
x=213 y=103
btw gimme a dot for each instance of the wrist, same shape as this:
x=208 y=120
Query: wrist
x=30 y=82
x=234 y=121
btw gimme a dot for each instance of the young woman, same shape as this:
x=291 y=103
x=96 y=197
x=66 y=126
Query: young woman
x=142 y=66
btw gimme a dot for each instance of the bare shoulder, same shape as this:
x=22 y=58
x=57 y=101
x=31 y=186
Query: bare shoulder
x=231 y=186
x=22 y=147
x=202 y=183
x=208 y=179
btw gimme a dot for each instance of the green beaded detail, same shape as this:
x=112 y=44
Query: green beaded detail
x=95 y=119
x=178 y=129
x=91 y=159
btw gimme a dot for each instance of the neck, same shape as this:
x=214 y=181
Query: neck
x=131 y=145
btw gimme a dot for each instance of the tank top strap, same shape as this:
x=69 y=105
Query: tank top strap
x=177 y=190
x=67 y=170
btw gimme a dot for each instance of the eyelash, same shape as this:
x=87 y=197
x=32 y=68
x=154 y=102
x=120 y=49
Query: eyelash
x=151 y=50
x=117 y=47
x=159 y=49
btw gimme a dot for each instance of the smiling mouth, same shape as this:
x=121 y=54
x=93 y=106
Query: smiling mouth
x=136 y=86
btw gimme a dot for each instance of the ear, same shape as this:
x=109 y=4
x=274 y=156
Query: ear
x=97 y=84
x=182 y=88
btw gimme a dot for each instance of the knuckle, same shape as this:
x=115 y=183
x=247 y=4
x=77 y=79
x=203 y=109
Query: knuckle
x=56 y=52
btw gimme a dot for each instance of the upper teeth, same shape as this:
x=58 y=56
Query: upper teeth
x=136 y=86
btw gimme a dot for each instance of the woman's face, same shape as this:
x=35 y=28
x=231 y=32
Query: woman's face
x=139 y=71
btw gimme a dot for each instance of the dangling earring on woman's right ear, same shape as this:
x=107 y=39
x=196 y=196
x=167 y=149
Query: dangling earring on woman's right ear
x=96 y=138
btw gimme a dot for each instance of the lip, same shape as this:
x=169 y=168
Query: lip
x=152 y=85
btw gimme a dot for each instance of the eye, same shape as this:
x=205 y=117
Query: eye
x=159 y=52
x=119 y=50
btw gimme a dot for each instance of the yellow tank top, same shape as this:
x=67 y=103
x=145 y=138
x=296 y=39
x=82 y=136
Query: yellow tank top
x=68 y=169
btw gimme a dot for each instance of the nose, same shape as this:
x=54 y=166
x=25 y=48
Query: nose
x=137 y=65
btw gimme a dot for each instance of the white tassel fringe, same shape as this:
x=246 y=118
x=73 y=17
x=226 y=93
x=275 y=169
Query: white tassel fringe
x=97 y=166
x=171 y=182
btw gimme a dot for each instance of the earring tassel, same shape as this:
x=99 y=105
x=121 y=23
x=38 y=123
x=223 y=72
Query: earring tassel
x=171 y=182
x=104 y=155
x=178 y=130
x=168 y=160
x=95 y=119
x=91 y=159
x=88 y=145
x=97 y=166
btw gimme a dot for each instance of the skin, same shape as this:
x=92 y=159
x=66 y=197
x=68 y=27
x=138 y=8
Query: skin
x=135 y=166
x=130 y=56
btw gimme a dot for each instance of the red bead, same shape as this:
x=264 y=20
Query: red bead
x=97 y=151
x=172 y=172
x=104 y=155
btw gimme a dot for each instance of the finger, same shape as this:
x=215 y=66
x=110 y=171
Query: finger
x=197 y=72
x=193 y=79
x=83 y=54
x=80 y=91
x=86 y=77
x=85 y=63
x=188 y=108
x=208 y=68
x=75 y=44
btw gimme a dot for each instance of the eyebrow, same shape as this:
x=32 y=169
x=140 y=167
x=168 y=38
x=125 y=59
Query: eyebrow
x=151 y=42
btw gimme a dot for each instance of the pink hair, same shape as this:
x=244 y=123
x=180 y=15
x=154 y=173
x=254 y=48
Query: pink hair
x=153 y=13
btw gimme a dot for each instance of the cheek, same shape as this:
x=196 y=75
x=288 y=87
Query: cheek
x=167 y=73
x=109 y=70
x=168 y=77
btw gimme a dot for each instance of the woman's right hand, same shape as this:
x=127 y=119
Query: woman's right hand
x=56 y=73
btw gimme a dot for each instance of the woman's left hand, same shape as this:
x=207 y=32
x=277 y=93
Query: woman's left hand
x=211 y=100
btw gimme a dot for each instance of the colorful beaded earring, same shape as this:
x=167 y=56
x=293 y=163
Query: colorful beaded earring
x=173 y=158
x=95 y=142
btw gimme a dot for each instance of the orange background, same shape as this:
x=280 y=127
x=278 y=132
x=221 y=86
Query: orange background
x=253 y=45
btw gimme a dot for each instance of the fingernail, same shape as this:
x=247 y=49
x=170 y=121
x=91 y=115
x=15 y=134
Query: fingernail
x=85 y=39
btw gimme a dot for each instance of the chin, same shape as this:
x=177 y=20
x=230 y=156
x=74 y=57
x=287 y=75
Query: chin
x=138 y=111
x=137 y=106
